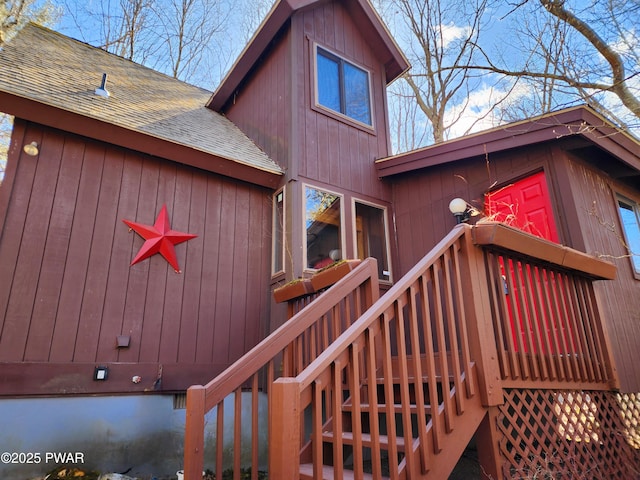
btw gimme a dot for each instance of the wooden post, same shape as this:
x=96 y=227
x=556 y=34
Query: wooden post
x=488 y=448
x=194 y=433
x=480 y=325
x=373 y=291
x=284 y=430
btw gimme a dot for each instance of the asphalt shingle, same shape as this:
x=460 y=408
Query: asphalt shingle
x=53 y=69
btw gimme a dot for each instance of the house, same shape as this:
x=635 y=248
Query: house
x=146 y=223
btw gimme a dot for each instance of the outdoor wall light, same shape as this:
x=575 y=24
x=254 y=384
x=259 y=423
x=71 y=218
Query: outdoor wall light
x=31 y=149
x=462 y=210
x=100 y=373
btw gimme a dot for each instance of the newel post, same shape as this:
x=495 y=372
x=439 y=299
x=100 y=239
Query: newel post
x=194 y=433
x=480 y=323
x=484 y=352
x=284 y=429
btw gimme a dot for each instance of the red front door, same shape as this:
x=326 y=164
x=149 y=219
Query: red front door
x=525 y=204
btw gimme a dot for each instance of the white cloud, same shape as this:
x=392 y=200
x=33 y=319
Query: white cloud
x=451 y=33
x=477 y=112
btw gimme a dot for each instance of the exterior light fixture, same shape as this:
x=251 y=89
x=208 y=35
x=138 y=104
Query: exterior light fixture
x=100 y=373
x=462 y=210
x=31 y=149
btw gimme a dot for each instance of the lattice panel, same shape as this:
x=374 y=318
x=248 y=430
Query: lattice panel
x=630 y=413
x=560 y=434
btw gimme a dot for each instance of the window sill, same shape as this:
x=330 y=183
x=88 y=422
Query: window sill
x=344 y=119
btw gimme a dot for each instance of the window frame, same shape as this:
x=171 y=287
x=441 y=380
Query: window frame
x=342 y=234
x=385 y=221
x=339 y=115
x=283 y=240
x=634 y=258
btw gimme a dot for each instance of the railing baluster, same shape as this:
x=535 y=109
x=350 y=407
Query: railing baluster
x=317 y=430
x=237 y=433
x=452 y=317
x=387 y=380
x=428 y=307
x=255 y=418
x=571 y=353
x=402 y=376
x=580 y=343
x=442 y=348
x=418 y=377
x=372 y=396
x=353 y=381
x=551 y=338
x=219 y=439
x=462 y=324
x=335 y=401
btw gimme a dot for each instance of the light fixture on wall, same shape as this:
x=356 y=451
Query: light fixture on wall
x=462 y=210
x=100 y=373
x=31 y=149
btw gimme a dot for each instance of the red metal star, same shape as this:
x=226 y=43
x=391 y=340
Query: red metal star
x=159 y=238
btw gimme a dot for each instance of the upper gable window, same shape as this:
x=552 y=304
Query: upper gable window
x=343 y=87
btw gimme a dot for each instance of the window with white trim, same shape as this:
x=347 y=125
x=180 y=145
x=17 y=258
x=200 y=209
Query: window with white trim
x=343 y=87
x=323 y=227
x=371 y=236
x=630 y=218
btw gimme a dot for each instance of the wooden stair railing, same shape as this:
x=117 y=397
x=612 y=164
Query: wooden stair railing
x=402 y=391
x=386 y=397
x=287 y=351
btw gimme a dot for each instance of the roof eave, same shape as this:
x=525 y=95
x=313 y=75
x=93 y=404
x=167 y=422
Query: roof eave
x=51 y=116
x=580 y=121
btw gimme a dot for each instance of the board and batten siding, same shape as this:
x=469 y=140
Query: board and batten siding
x=594 y=195
x=275 y=106
x=67 y=289
x=421 y=198
x=585 y=210
x=261 y=107
x=333 y=151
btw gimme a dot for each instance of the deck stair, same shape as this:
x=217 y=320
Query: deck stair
x=377 y=417
x=394 y=387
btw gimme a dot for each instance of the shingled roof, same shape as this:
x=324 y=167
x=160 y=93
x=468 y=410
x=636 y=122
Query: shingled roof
x=46 y=76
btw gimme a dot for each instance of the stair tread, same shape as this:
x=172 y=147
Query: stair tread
x=425 y=379
x=397 y=407
x=347 y=437
x=306 y=472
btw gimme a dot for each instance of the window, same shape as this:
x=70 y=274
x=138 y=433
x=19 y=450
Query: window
x=343 y=87
x=630 y=217
x=323 y=227
x=371 y=237
x=277 y=264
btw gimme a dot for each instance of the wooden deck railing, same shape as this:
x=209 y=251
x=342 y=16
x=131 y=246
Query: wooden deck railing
x=548 y=330
x=286 y=352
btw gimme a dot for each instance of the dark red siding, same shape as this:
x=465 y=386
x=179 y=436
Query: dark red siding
x=334 y=151
x=584 y=206
x=421 y=198
x=594 y=196
x=275 y=106
x=261 y=107
x=67 y=289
